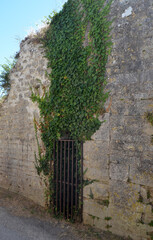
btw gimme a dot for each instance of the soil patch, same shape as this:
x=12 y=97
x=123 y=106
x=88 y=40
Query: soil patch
x=18 y=205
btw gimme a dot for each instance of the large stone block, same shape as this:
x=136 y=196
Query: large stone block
x=93 y=208
x=146 y=84
x=96 y=173
x=124 y=195
x=142 y=172
x=96 y=159
x=96 y=190
x=119 y=171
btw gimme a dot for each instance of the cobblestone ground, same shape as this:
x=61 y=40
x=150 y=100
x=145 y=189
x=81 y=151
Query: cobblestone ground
x=22 y=219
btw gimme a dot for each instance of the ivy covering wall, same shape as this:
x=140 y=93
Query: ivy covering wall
x=77 y=44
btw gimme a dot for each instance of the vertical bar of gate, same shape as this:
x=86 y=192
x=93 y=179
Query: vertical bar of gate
x=68 y=179
x=53 y=169
x=64 y=178
x=51 y=160
x=76 y=182
x=57 y=180
x=81 y=180
x=60 y=177
x=72 y=182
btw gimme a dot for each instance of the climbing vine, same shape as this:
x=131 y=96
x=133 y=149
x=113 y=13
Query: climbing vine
x=77 y=44
x=4 y=76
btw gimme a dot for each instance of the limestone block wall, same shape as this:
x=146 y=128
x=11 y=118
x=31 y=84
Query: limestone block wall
x=120 y=156
x=17 y=136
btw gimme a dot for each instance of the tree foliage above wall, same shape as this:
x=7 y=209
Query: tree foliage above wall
x=77 y=45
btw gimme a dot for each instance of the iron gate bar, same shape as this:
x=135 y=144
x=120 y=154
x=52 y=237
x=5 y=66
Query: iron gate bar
x=68 y=180
x=53 y=168
x=60 y=177
x=57 y=181
x=66 y=140
x=76 y=183
x=64 y=176
x=81 y=181
x=72 y=181
x=66 y=183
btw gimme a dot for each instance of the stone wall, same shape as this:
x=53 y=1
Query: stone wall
x=120 y=156
x=17 y=136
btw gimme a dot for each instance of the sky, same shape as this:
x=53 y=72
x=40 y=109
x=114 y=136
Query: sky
x=17 y=17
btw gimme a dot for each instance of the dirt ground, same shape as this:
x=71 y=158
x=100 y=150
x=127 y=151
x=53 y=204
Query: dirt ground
x=20 y=206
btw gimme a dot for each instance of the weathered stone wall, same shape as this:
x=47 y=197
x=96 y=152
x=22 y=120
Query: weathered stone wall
x=17 y=136
x=120 y=156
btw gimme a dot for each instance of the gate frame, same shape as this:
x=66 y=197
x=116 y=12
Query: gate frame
x=58 y=179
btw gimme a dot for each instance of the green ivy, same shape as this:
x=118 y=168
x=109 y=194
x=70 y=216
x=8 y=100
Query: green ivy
x=151 y=223
x=4 y=76
x=75 y=100
x=149 y=117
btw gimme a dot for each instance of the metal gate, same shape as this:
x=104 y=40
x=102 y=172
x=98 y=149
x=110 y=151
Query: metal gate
x=68 y=179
